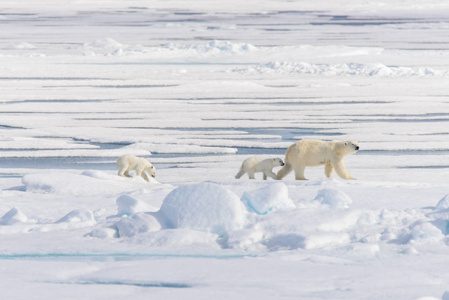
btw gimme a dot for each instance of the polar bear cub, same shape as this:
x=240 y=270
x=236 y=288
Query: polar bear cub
x=128 y=162
x=258 y=164
x=311 y=153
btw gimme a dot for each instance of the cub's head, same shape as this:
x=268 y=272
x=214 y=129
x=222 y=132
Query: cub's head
x=349 y=147
x=278 y=162
x=151 y=170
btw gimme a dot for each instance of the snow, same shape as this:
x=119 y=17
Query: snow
x=127 y=205
x=196 y=87
x=204 y=207
x=13 y=216
x=268 y=198
x=334 y=199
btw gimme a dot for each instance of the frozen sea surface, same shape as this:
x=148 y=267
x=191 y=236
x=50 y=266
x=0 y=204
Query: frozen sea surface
x=196 y=87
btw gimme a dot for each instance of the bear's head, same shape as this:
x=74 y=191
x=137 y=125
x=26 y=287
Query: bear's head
x=278 y=162
x=151 y=170
x=347 y=147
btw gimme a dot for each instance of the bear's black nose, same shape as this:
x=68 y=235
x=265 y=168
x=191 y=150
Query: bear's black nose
x=357 y=147
x=282 y=164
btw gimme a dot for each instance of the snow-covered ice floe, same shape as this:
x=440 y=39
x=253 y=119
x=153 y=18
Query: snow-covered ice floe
x=196 y=87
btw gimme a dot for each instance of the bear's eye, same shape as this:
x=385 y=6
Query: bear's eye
x=346 y=144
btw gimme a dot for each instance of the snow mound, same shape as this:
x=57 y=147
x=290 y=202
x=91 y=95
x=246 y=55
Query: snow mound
x=426 y=233
x=105 y=46
x=12 y=217
x=136 y=224
x=104 y=233
x=349 y=69
x=128 y=205
x=333 y=198
x=443 y=204
x=292 y=241
x=268 y=198
x=446 y=295
x=77 y=216
x=215 y=48
x=204 y=207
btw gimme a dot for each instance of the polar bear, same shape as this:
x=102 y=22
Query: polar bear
x=311 y=153
x=128 y=162
x=258 y=164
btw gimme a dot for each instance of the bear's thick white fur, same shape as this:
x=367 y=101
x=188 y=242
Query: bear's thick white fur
x=259 y=164
x=129 y=162
x=309 y=153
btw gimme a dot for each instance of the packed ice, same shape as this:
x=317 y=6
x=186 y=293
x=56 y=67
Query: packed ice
x=197 y=87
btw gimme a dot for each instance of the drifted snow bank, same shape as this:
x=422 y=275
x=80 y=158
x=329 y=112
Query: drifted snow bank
x=205 y=207
x=350 y=69
x=334 y=199
x=269 y=198
x=110 y=47
x=267 y=216
x=12 y=217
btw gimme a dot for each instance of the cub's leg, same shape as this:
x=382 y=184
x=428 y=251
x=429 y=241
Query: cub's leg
x=123 y=171
x=140 y=172
x=269 y=174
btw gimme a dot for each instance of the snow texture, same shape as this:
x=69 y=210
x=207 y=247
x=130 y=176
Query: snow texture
x=205 y=207
x=267 y=199
x=199 y=86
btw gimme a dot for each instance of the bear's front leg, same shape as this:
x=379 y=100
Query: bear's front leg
x=141 y=173
x=340 y=168
x=269 y=174
x=299 y=173
x=284 y=171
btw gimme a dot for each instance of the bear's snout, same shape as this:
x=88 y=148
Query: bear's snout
x=282 y=164
x=357 y=147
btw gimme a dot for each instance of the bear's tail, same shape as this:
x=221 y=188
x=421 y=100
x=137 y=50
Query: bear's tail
x=286 y=169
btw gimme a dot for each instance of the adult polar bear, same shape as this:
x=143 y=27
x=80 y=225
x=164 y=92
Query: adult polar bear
x=311 y=153
x=128 y=162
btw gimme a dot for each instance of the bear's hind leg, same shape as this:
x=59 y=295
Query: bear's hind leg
x=328 y=170
x=286 y=169
x=240 y=173
x=123 y=171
